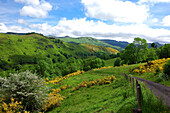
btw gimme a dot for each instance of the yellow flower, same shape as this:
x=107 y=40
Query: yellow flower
x=46 y=79
x=12 y=99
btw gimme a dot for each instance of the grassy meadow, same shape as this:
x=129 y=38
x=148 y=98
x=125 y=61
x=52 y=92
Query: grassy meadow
x=116 y=97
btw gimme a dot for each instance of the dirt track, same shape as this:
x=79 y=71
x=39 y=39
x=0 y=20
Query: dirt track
x=159 y=90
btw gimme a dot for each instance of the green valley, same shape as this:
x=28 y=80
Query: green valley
x=46 y=74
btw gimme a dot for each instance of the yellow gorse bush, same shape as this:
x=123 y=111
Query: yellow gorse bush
x=106 y=80
x=102 y=68
x=151 y=66
x=59 y=79
x=12 y=107
x=58 y=90
x=53 y=100
x=64 y=87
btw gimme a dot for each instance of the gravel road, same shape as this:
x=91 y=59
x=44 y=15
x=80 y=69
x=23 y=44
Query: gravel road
x=159 y=90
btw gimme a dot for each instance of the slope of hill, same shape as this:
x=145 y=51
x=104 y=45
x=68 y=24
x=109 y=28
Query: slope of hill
x=94 y=48
x=16 y=48
x=88 y=40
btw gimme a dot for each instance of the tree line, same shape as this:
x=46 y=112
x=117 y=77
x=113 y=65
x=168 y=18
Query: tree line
x=138 y=52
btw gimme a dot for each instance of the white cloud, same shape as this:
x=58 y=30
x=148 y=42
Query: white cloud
x=28 y=2
x=166 y=21
x=22 y=21
x=3 y=28
x=83 y=27
x=153 y=1
x=116 y=10
x=43 y=28
x=154 y=20
x=35 y=8
x=17 y=29
x=100 y=30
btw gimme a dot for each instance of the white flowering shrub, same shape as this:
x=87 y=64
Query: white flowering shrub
x=25 y=87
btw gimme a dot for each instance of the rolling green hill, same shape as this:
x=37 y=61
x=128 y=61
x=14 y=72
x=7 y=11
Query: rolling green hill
x=48 y=56
x=14 y=48
x=88 y=40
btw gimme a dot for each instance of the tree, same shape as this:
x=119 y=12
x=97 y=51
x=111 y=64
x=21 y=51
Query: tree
x=97 y=63
x=45 y=67
x=135 y=52
x=154 y=45
x=117 y=62
x=141 y=47
x=152 y=54
x=128 y=55
x=167 y=68
x=165 y=51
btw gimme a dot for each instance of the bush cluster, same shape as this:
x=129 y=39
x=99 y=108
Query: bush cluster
x=24 y=87
x=166 y=68
x=117 y=62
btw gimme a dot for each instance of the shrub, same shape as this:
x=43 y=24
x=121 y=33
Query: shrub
x=12 y=107
x=25 y=87
x=117 y=62
x=166 y=68
x=157 y=71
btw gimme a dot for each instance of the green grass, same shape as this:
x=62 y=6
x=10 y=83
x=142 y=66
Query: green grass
x=14 y=47
x=110 y=62
x=116 y=97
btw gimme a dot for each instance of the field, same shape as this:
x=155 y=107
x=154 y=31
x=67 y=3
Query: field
x=110 y=62
x=116 y=96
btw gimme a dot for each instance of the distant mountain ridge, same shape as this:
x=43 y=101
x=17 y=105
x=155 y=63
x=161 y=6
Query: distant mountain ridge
x=123 y=44
x=119 y=45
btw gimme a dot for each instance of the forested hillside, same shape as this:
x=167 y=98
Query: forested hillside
x=48 y=56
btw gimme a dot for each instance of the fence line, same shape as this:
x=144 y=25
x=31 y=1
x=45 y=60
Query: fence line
x=138 y=91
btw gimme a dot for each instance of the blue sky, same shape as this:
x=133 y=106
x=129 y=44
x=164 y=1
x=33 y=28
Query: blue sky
x=121 y=20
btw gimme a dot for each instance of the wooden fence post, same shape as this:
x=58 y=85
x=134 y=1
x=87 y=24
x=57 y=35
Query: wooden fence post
x=136 y=83
x=135 y=110
x=133 y=85
x=139 y=95
x=126 y=76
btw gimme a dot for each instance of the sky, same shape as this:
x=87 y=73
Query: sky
x=120 y=20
